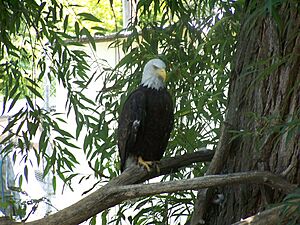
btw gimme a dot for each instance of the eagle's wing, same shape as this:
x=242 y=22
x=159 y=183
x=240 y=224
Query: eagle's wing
x=131 y=122
x=170 y=122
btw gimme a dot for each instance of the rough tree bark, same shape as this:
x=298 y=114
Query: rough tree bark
x=264 y=101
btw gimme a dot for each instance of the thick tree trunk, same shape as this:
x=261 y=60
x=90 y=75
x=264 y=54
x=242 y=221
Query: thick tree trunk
x=263 y=109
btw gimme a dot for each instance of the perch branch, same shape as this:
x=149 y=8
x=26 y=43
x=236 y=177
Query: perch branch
x=110 y=195
x=166 y=166
x=80 y=210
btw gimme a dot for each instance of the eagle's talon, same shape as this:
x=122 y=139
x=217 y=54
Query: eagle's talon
x=145 y=164
x=156 y=164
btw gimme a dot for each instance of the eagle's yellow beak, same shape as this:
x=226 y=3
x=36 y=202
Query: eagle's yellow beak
x=162 y=73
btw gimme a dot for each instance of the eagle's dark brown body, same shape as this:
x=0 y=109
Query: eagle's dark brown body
x=145 y=124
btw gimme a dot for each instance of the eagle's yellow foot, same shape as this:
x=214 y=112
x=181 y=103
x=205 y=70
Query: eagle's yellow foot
x=145 y=164
x=156 y=163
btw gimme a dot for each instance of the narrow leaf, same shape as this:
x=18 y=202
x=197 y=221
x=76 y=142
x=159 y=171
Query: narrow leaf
x=66 y=23
x=26 y=173
x=90 y=17
x=89 y=36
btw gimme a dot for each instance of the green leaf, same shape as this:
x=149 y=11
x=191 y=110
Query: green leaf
x=7 y=149
x=29 y=102
x=65 y=133
x=78 y=129
x=14 y=90
x=7 y=138
x=32 y=128
x=20 y=180
x=64 y=141
x=10 y=124
x=54 y=183
x=103 y=133
x=77 y=29
x=50 y=162
x=15 y=99
x=87 y=142
x=93 y=221
x=70 y=155
x=99 y=28
x=66 y=23
x=90 y=17
x=89 y=36
x=42 y=142
x=104 y=217
x=26 y=173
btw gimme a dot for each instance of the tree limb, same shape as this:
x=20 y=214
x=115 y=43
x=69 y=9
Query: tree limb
x=166 y=166
x=110 y=195
x=119 y=190
x=94 y=203
x=273 y=216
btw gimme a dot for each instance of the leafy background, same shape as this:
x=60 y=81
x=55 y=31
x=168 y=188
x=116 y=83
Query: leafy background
x=42 y=40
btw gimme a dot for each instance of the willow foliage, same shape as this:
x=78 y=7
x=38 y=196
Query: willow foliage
x=39 y=40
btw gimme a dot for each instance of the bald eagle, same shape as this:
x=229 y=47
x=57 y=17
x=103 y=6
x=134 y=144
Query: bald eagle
x=147 y=118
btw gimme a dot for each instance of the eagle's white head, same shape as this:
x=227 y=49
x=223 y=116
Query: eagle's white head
x=154 y=74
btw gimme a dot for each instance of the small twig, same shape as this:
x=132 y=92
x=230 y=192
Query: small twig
x=97 y=172
x=32 y=211
x=90 y=189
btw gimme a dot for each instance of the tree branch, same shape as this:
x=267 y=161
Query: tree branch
x=95 y=203
x=267 y=178
x=274 y=215
x=109 y=195
x=118 y=190
x=166 y=166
